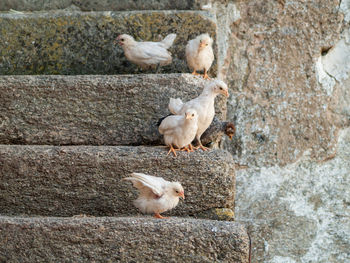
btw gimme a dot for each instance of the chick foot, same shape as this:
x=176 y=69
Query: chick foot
x=157 y=215
x=206 y=76
x=172 y=150
x=187 y=148
x=195 y=73
x=202 y=147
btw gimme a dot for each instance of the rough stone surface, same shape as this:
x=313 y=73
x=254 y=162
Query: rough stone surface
x=288 y=70
x=279 y=108
x=225 y=214
x=286 y=63
x=101 y=5
x=71 y=180
x=300 y=212
x=72 y=42
x=127 y=239
x=91 y=110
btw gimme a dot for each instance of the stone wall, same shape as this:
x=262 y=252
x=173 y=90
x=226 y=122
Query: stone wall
x=288 y=68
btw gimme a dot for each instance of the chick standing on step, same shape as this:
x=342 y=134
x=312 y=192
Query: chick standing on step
x=203 y=104
x=147 y=54
x=179 y=130
x=199 y=54
x=216 y=130
x=156 y=194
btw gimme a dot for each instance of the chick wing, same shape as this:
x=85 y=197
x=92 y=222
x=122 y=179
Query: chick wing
x=145 y=183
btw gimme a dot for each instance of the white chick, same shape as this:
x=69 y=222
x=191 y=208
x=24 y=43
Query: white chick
x=156 y=194
x=199 y=54
x=147 y=54
x=203 y=104
x=179 y=130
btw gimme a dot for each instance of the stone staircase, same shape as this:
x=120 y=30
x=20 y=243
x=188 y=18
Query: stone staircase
x=69 y=134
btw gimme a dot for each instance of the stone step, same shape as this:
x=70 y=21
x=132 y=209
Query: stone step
x=72 y=42
x=101 y=5
x=126 y=239
x=72 y=180
x=91 y=110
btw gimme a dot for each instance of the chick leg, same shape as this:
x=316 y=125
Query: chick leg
x=195 y=73
x=205 y=74
x=185 y=149
x=172 y=150
x=203 y=147
x=200 y=145
x=188 y=148
x=157 y=215
x=157 y=69
x=195 y=142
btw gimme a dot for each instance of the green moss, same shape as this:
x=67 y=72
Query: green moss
x=224 y=214
x=82 y=43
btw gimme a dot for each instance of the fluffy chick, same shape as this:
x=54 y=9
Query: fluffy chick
x=199 y=54
x=203 y=104
x=156 y=194
x=216 y=130
x=179 y=130
x=147 y=54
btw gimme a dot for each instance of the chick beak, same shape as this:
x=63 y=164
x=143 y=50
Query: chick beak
x=182 y=194
x=188 y=116
x=201 y=45
x=226 y=94
x=117 y=41
x=230 y=136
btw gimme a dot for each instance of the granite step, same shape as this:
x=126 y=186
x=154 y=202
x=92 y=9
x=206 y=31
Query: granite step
x=101 y=5
x=90 y=109
x=73 y=180
x=73 y=42
x=125 y=239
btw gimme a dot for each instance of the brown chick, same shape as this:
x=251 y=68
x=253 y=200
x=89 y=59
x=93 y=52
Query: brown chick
x=216 y=130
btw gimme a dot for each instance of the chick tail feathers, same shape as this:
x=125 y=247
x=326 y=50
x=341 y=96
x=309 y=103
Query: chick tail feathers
x=175 y=105
x=168 y=40
x=161 y=119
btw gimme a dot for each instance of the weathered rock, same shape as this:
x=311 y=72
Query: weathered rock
x=225 y=214
x=70 y=180
x=101 y=5
x=71 y=42
x=289 y=77
x=125 y=239
x=278 y=106
x=298 y=213
x=91 y=110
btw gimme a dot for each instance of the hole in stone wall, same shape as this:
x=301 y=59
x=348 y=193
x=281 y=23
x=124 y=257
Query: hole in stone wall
x=324 y=50
x=261 y=138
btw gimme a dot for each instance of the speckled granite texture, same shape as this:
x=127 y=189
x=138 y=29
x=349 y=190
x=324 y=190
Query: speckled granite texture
x=71 y=42
x=91 y=110
x=121 y=240
x=71 y=180
x=100 y=5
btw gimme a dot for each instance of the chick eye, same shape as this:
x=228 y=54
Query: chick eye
x=220 y=88
x=176 y=191
x=206 y=44
x=122 y=39
x=192 y=115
